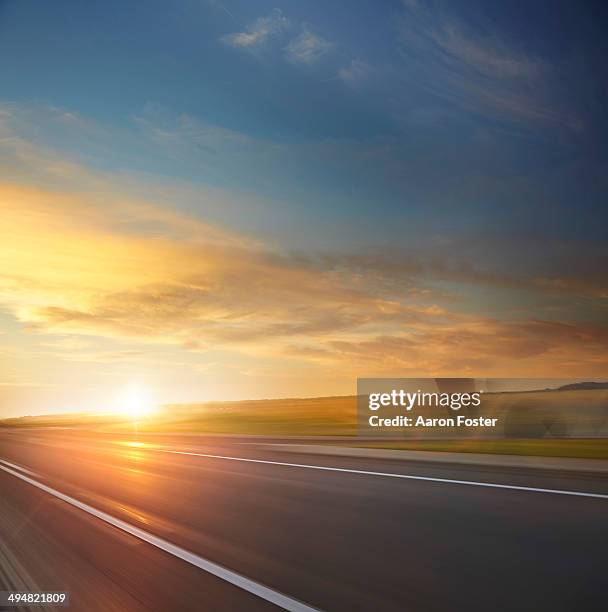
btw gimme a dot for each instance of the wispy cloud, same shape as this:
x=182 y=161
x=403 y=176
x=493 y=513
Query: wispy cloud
x=70 y=274
x=259 y=31
x=490 y=55
x=479 y=72
x=193 y=286
x=522 y=348
x=356 y=72
x=307 y=48
x=95 y=261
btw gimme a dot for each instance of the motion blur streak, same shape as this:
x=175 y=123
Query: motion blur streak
x=217 y=570
x=338 y=539
x=492 y=485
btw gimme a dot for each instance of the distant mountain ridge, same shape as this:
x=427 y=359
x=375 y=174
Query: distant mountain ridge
x=588 y=386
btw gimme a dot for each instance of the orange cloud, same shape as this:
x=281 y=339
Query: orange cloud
x=72 y=266
x=87 y=255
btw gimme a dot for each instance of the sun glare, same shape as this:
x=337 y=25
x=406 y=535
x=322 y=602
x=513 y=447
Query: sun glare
x=135 y=402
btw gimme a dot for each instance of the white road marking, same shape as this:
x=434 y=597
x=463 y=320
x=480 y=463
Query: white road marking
x=473 y=483
x=264 y=592
x=18 y=467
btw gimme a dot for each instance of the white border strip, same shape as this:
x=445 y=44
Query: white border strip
x=264 y=592
x=473 y=483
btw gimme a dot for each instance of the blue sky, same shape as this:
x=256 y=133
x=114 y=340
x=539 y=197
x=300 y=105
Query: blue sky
x=457 y=149
x=479 y=116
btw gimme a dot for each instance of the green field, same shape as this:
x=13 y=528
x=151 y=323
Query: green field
x=336 y=417
x=323 y=416
x=546 y=447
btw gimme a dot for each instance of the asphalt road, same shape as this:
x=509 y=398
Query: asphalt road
x=328 y=539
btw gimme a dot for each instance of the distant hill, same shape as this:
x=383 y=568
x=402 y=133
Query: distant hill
x=587 y=386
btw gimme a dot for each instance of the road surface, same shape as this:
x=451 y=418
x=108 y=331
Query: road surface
x=133 y=523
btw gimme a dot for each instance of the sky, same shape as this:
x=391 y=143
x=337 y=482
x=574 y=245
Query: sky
x=216 y=199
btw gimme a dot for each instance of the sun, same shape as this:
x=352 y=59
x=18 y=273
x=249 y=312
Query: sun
x=135 y=401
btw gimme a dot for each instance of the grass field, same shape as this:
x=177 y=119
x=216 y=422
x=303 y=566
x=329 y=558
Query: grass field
x=336 y=416
x=323 y=416
x=546 y=447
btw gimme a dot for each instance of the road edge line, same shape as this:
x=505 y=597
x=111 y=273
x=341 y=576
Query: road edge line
x=255 y=588
x=473 y=483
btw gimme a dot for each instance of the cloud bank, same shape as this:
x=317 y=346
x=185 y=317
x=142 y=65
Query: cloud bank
x=84 y=258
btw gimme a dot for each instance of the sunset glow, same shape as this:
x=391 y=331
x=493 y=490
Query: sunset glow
x=135 y=402
x=403 y=218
